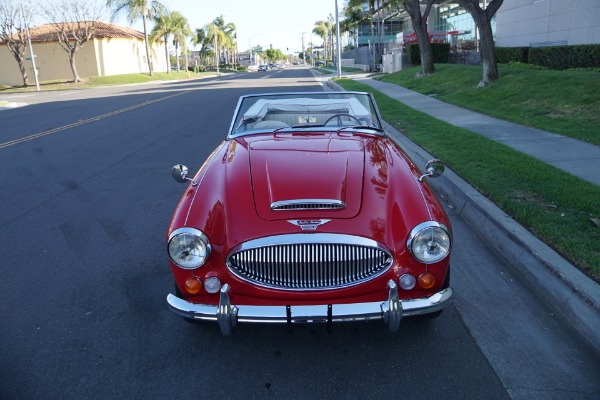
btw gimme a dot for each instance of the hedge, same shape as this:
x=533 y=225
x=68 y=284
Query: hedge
x=506 y=55
x=441 y=53
x=553 y=57
x=563 y=57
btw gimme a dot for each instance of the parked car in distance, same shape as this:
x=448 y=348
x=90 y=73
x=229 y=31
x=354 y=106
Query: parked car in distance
x=263 y=68
x=308 y=212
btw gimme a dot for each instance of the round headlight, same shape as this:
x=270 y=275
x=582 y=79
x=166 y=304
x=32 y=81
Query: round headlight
x=429 y=242
x=188 y=248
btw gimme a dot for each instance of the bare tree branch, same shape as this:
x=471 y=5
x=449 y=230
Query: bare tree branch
x=74 y=22
x=13 y=26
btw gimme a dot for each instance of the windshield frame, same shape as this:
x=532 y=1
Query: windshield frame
x=245 y=102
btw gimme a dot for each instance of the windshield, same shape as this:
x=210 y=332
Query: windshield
x=334 y=110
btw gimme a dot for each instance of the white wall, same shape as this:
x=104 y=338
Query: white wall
x=547 y=23
x=102 y=57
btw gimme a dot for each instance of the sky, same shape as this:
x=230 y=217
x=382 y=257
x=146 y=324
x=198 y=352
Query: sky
x=280 y=23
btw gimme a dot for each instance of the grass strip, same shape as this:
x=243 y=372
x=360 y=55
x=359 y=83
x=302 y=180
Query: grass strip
x=560 y=209
x=564 y=102
x=95 y=81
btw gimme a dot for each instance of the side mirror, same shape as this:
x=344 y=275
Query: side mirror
x=181 y=174
x=433 y=169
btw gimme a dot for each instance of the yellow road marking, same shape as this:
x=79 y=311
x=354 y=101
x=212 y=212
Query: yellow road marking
x=85 y=121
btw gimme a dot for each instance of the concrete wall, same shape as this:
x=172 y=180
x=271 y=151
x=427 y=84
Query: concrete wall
x=547 y=23
x=102 y=57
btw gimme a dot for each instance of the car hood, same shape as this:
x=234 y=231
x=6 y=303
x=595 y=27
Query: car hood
x=321 y=175
x=370 y=175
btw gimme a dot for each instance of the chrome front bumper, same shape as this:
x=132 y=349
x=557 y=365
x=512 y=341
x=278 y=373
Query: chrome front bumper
x=390 y=311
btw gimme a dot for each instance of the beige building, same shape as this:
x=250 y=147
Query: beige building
x=114 y=50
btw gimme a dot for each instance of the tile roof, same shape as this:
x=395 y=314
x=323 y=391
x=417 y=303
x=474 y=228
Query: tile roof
x=47 y=32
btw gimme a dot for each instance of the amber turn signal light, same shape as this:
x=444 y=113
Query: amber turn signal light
x=193 y=285
x=427 y=280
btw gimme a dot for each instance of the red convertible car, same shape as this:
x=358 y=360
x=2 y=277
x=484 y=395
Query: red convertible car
x=308 y=212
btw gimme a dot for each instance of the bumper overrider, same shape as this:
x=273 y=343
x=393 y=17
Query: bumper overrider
x=390 y=311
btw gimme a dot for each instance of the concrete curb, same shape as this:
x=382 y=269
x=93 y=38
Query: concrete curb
x=566 y=290
x=7 y=105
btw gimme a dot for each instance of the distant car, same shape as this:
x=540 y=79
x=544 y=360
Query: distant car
x=296 y=63
x=308 y=212
x=263 y=68
x=319 y=63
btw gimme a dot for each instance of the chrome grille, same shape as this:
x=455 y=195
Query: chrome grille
x=308 y=204
x=309 y=261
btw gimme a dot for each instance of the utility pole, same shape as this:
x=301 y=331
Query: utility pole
x=303 y=51
x=337 y=42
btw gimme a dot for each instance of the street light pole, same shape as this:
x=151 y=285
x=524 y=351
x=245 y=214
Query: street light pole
x=250 y=46
x=337 y=41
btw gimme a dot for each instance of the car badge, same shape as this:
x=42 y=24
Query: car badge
x=308 y=224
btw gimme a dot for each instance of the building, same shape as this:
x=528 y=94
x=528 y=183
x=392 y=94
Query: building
x=113 y=50
x=534 y=23
x=518 y=23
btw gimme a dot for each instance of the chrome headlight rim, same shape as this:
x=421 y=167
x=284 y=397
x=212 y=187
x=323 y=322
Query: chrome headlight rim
x=194 y=234
x=422 y=228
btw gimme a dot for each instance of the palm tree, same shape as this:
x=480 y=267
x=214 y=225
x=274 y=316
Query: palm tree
x=181 y=33
x=227 y=35
x=353 y=16
x=201 y=38
x=135 y=9
x=321 y=29
x=163 y=28
x=358 y=3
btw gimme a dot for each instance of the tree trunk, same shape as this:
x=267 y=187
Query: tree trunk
x=23 y=71
x=73 y=66
x=167 y=55
x=419 y=22
x=19 y=58
x=483 y=18
x=427 y=66
x=149 y=59
x=488 y=55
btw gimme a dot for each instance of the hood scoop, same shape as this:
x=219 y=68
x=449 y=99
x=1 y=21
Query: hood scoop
x=307 y=177
x=307 y=204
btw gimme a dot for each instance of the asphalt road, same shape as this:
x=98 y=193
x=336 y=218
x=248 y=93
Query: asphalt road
x=86 y=196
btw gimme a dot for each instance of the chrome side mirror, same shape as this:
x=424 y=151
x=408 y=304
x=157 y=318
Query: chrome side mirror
x=433 y=169
x=181 y=174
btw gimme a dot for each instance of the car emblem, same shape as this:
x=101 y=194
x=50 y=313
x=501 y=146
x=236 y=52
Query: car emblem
x=308 y=224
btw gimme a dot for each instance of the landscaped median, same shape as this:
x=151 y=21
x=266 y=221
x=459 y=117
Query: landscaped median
x=560 y=209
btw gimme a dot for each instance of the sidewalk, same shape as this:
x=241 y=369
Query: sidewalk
x=562 y=286
x=570 y=155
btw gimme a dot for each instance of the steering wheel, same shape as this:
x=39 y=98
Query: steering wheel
x=339 y=117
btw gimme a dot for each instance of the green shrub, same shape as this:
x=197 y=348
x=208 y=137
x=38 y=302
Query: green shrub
x=505 y=55
x=413 y=54
x=565 y=57
x=441 y=53
x=521 y=65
